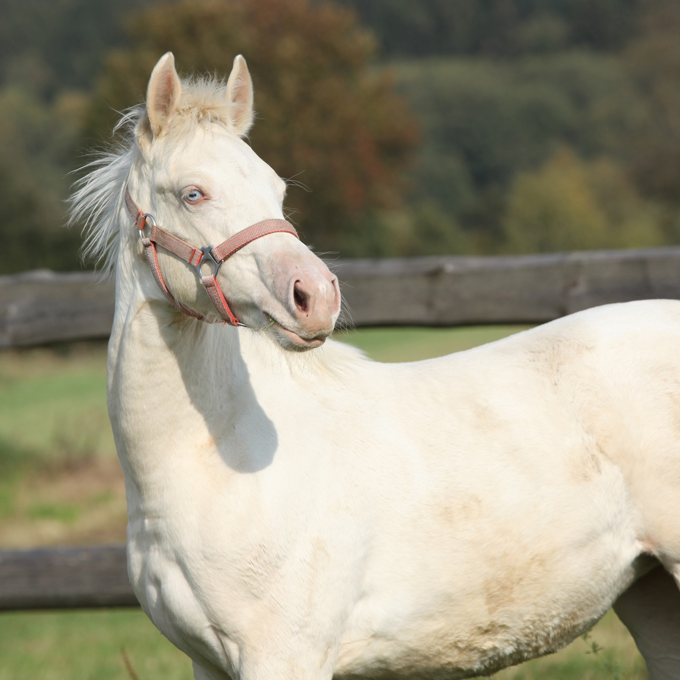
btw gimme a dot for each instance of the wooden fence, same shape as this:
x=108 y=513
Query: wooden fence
x=64 y=578
x=43 y=307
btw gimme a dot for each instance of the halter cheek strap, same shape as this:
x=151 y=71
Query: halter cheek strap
x=199 y=256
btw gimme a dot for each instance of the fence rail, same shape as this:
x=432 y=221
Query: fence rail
x=41 y=307
x=65 y=578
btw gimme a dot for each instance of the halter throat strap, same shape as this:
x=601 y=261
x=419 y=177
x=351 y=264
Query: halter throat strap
x=198 y=256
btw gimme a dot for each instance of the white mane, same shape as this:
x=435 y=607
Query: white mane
x=98 y=197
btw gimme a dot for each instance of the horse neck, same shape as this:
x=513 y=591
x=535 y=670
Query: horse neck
x=178 y=386
x=175 y=384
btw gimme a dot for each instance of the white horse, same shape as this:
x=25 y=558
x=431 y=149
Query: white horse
x=305 y=515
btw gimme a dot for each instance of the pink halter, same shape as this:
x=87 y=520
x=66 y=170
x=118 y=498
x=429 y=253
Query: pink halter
x=197 y=256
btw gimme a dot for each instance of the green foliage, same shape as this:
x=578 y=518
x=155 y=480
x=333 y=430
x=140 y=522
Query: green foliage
x=325 y=119
x=571 y=205
x=484 y=122
x=53 y=45
x=420 y=229
x=655 y=60
x=518 y=79
x=86 y=645
x=499 y=28
x=490 y=119
x=36 y=141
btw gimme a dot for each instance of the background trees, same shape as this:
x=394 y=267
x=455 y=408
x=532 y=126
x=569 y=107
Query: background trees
x=50 y=55
x=519 y=103
x=485 y=122
x=569 y=204
x=497 y=28
x=324 y=118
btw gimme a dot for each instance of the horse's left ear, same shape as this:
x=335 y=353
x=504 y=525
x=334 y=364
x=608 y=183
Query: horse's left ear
x=163 y=93
x=239 y=96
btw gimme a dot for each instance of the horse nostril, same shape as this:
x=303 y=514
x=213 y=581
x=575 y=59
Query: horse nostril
x=300 y=297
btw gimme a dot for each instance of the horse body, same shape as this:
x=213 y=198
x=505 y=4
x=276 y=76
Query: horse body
x=475 y=520
x=304 y=515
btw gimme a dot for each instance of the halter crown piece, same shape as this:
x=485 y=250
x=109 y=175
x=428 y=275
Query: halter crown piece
x=199 y=256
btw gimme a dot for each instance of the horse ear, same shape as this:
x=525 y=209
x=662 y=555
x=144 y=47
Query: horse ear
x=163 y=93
x=240 y=97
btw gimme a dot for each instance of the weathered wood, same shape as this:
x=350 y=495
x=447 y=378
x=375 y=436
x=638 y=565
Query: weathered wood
x=42 y=307
x=65 y=578
x=449 y=291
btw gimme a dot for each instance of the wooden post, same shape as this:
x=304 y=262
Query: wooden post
x=65 y=578
x=40 y=307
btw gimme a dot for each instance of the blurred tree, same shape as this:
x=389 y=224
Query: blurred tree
x=655 y=60
x=425 y=229
x=36 y=140
x=498 y=28
x=49 y=53
x=62 y=43
x=30 y=227
x=51 y=45
x=535 y=74
x=571 y=205
x=325 y=119
x=415 y=230
x=485 y=121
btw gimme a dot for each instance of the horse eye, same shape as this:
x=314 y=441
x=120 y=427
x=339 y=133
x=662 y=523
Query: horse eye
x=194 y=196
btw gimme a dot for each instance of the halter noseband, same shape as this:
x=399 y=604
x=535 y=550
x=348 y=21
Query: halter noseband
x=198 y=256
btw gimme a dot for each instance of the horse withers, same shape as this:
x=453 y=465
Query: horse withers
x=313 y=514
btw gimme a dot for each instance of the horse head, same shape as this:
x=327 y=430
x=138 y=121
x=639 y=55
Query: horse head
x=196 y=176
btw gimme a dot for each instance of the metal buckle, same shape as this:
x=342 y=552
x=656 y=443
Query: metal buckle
x=142 y=220
x=207 y=252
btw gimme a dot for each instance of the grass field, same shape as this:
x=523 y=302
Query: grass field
x=60 y=484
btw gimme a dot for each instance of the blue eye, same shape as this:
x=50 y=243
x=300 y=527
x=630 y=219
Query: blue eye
x=194 y=196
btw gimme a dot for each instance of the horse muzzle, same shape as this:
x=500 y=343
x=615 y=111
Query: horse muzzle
x=310 y=296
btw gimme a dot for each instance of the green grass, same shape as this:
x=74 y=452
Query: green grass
x=54 y=402
x=414 y=344
x=606 y=653
x=53 y=408
x=60 y=512
x=86 y=645
x=52 y=415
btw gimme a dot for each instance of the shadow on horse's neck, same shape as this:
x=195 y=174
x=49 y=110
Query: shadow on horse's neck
x=217 y=381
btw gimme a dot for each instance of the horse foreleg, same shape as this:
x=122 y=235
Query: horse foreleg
x=650 y=609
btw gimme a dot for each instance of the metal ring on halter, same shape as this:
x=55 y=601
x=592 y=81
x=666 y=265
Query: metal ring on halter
x=207 y=252
x=142 y=220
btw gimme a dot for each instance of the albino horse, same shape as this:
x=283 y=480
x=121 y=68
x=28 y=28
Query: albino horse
x=308 y=515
